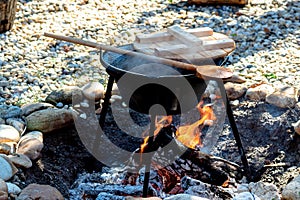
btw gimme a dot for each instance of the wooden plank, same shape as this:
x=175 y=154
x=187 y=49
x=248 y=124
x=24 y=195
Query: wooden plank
x=200 y=32
x=218 y=44
x=184 y=37
x=165 y=36
x=171 y=50
x=157 y=37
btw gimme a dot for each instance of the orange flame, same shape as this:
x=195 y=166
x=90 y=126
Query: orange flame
x=189 y=135
x=163 y=122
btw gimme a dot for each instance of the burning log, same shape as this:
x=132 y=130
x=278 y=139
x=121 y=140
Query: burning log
x=177 y=155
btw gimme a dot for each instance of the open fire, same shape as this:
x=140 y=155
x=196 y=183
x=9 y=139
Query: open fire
x=189 y=135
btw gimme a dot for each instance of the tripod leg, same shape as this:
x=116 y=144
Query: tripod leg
x=235 y=130
x=148 y=157
x=106 y=100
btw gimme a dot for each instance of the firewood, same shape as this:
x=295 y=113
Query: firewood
x=7 y=14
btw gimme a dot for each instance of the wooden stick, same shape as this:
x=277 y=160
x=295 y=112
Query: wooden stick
x=202 y=71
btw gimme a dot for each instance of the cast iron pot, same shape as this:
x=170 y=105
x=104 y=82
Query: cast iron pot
x=143 y=83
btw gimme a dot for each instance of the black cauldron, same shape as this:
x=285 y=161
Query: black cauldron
x=143 y=83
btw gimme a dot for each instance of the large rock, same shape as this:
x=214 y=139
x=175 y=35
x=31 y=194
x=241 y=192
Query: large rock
x=93 y=91
x=41 y=192
x=27 y=109
x=283 y=97
x=292 y=190
x=30 y=146
x=7 y=168
x=64 y=95
x=3 y=190
x=235 y=90
x=260 y=92
x=265 y=191
x=8 y=134
x=49 y=119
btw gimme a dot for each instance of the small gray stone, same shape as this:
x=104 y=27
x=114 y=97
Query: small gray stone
x=13 y=188
x=260 y=92
x=31 y=147
x=8 y=134
x=93 y=91
x=234 y=90
x=20 y=160
x=18 y=124
x=264 y=191
x=32 y=107
x=42 y=192
x=283 y=97
x=185 y=197
x=246 y=196
x=7 y=168
x=292 y=190
x=64 y=95
x=3 y=190
x=59 y=105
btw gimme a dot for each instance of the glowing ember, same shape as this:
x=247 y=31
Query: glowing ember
x=189 y=135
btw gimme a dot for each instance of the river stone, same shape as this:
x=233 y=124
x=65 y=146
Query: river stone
x=234 y=90
x=64 y=95
x=264 y=191
x=20 y=160
x=13 y=188
x=297 y=127
x=31 y=135
x=292 y=190
x=32 y=107
x=3 y=190
x=284 y=97
x=8 y=134
x=49 y=120
x=184 y=197
x=7 y=168
x=10 y=111
x=2 y=121
x=18 y=124
x=246 y=196
x=5 y=148
x=93 y=91
x=41 y=192
x=31 y=147
x=260 y=92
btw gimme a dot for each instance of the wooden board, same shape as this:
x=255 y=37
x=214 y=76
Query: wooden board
x=191 y=44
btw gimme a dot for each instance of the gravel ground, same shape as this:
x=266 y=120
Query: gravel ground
x=31 y=65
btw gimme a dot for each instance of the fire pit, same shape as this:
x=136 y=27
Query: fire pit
x=143 y=85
